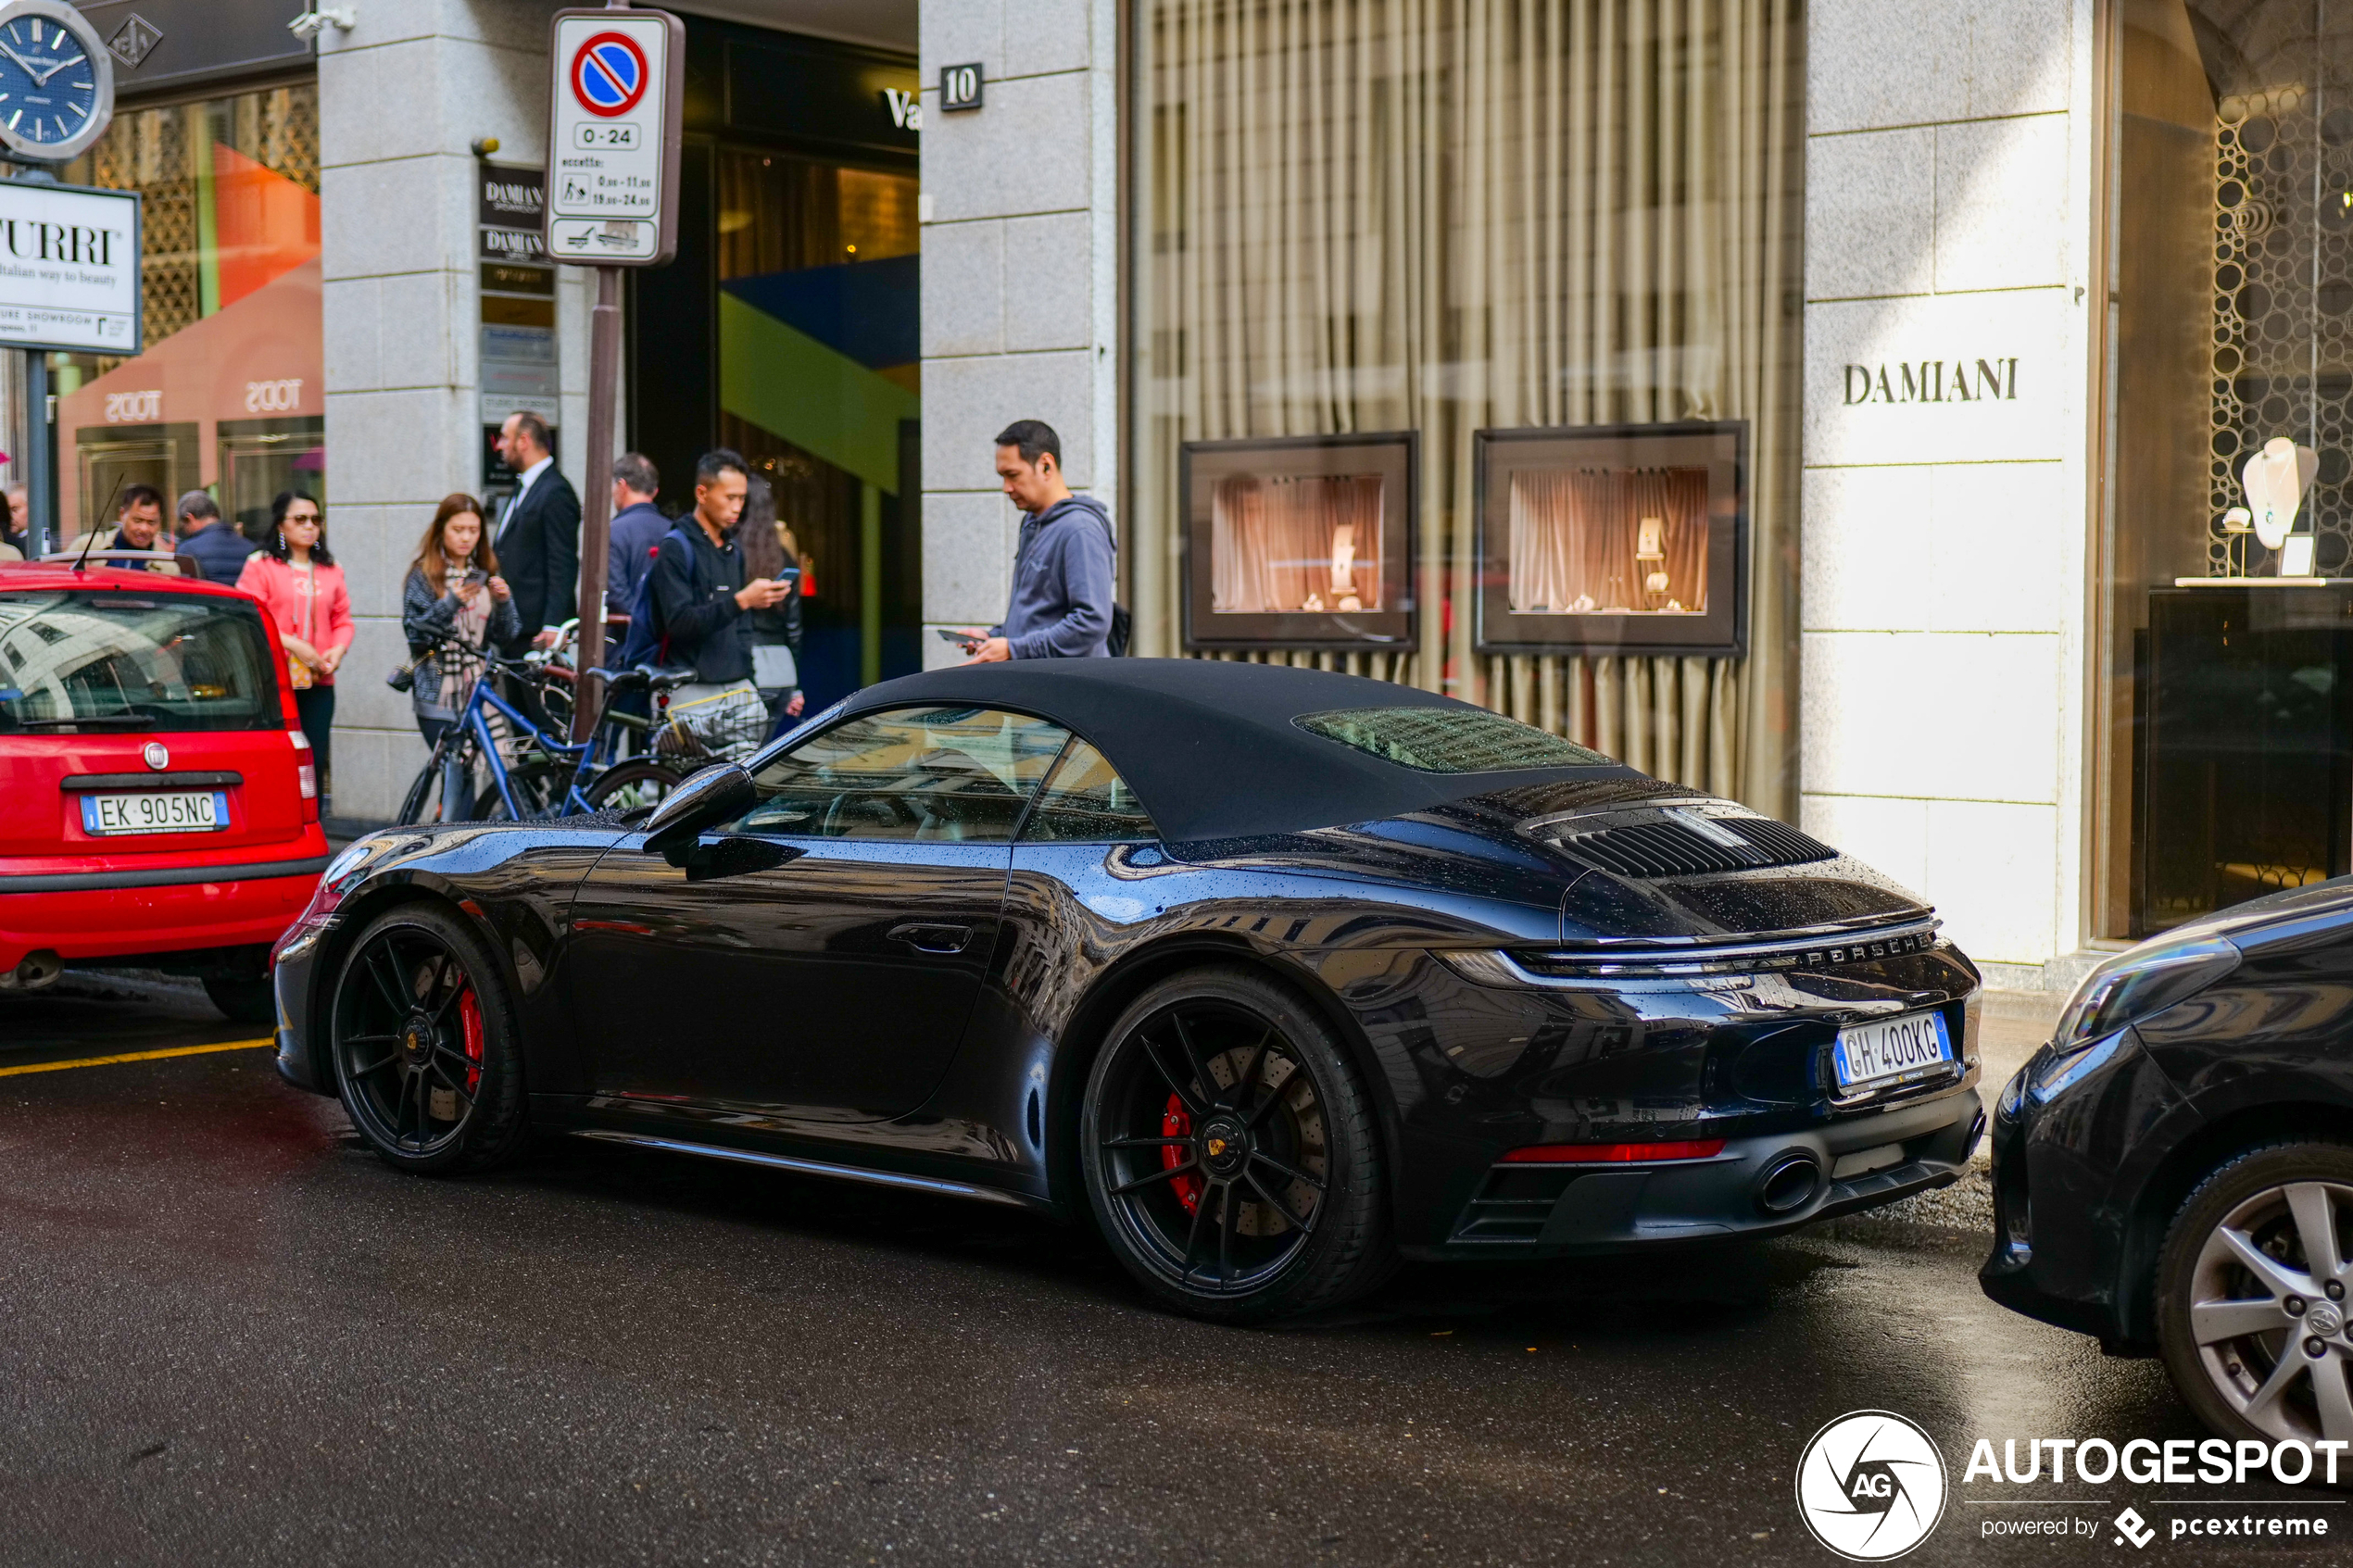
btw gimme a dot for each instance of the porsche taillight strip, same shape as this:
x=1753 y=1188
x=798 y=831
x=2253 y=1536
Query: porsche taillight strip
x=1860 y=946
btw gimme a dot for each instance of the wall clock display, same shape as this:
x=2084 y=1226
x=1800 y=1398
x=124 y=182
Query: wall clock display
x=56 y=82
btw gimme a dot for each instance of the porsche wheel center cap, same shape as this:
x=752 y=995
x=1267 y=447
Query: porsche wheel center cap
x=416 y=1041
x=1225 y=1146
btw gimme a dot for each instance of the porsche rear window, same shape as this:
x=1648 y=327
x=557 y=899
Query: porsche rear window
x=1449 y=740
x=80 y=659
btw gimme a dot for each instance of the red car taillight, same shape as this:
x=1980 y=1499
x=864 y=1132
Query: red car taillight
x=307 y=770
x=1613 y=1153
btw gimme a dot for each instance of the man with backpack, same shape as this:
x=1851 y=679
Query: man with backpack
x=1063 y=578
x=690 y=608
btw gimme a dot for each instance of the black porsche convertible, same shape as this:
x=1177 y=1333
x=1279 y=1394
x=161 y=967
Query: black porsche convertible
x=1277 y=975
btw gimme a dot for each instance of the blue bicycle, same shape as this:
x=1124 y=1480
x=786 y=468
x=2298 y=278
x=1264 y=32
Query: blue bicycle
x=546 y=776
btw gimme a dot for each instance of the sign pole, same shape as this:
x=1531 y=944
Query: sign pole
x=596 y=511
x=612 y=163
x=43 y=534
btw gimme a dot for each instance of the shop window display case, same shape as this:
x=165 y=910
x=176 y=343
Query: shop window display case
x=1300 y=542
x=2246 y=763
x=2225 y=637
x=1627 y=539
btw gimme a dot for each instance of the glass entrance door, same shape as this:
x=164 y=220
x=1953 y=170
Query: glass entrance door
x=114 y=457
x=2229 y=448
x=261 y=457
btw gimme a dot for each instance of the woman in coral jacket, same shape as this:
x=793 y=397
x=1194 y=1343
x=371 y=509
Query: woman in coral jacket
x=301 y=588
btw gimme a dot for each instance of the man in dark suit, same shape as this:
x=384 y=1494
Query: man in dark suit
x=538 y=536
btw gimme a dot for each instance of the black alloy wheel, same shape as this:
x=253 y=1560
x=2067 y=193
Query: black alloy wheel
x=423 y=1044
x=1230 y=1153
x=2253 y=1313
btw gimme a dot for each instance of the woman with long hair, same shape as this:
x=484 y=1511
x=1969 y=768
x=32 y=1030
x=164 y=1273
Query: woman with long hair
x=302 y=589
x=772 y=634
x=453 y=605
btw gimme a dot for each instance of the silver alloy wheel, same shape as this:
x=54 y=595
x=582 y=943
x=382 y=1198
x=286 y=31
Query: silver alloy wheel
x=2269 y=1309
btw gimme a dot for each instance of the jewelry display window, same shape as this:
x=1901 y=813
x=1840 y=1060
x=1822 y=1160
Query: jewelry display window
x=1302 y=542
x=1616 y=539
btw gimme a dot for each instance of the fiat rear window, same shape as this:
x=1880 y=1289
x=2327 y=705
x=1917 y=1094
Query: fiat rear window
x=80 y=661
x=1448 y=740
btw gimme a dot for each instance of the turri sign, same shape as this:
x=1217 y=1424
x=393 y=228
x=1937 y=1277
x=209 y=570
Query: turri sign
x=612 y=145
x=69 y=268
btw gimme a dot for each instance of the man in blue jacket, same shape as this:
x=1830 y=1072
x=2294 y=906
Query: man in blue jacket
x=636 y=529
x=1063 y=579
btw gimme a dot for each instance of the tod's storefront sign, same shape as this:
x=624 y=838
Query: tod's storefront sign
x=1934 y=381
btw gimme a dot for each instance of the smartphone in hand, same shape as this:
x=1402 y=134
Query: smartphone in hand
x=949 y=634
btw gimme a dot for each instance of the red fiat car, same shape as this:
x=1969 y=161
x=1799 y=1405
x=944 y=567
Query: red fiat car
x=159 y=808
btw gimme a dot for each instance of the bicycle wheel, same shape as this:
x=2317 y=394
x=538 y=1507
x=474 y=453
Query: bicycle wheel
x=412 y=805
x=631 y=786
x=539 y=790
x=424 y=803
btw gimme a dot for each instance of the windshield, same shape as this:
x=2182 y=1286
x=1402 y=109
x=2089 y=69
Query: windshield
x=107 y=661
x=1449 y=740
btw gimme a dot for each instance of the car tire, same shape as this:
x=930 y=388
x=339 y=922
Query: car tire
x=1230 y=1151
x=243 y=1001
x=2248 y=1373
x=422 y=1035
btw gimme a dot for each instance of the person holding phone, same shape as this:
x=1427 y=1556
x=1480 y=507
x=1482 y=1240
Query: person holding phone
x=1064 y=567
x=772 y=632
x=453 y=605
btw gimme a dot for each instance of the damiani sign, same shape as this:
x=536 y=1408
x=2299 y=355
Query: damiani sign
x=1929 y=380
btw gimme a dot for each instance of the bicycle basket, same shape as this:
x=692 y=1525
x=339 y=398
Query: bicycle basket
x=730 y=723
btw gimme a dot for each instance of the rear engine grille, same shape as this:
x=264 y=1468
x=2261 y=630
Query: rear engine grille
x=1673 y=848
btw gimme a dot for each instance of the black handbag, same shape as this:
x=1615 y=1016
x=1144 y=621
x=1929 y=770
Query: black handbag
x=404 y=676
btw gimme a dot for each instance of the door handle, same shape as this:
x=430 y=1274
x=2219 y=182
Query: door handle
x=928 y=937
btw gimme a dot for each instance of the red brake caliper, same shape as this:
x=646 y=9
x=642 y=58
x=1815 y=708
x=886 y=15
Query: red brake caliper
x=469 y=1019
x=1175 y=1123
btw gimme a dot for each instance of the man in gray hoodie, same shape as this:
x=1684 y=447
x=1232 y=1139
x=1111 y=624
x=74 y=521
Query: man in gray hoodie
x=1063 y=581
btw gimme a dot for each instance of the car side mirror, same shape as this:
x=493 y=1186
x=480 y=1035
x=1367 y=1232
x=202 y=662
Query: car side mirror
x=707 y=799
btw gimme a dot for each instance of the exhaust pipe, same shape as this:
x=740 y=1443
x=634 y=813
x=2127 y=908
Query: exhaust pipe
x=1789 y=1183
x=37 y=972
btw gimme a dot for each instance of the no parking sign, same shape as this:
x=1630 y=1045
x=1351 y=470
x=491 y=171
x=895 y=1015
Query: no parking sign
x=612 y=145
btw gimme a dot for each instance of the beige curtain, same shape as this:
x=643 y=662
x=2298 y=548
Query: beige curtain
x=1450 y=215
x=1575 y=540
x=1273 y=542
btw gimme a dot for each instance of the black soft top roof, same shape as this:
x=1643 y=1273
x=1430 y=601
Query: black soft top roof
x=1209 y=747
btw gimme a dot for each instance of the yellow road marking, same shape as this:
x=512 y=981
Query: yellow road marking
x=135 y=1056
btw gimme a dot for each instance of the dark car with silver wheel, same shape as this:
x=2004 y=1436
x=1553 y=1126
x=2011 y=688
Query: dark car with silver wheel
x=1272 y=976
x=2173 y=1171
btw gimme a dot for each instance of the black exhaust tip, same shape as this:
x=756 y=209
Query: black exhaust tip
x=1789 y=1183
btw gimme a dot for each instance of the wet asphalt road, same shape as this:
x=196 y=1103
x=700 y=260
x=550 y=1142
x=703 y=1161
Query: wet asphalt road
x=228 y=1335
